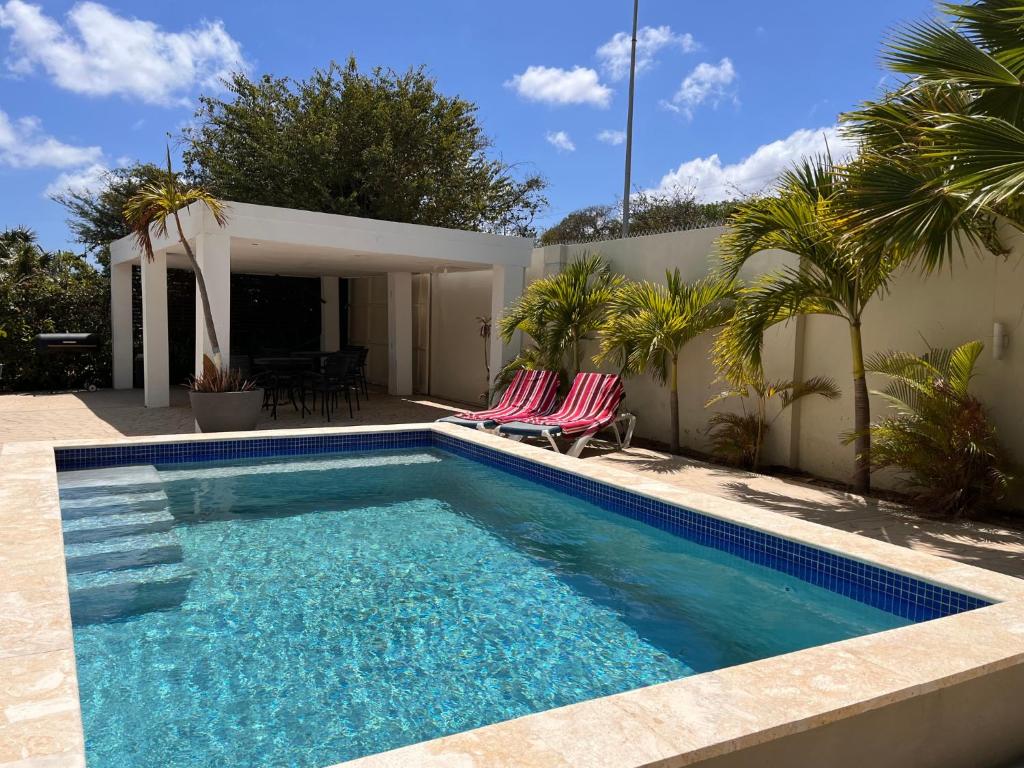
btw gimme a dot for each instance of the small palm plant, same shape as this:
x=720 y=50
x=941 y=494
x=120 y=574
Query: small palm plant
x=150 y=209
x=648 y=325
x=738 y=438
x=560 y=314
x=940 y=437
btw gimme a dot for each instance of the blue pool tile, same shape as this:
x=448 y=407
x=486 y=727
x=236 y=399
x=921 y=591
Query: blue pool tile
x=892 y=592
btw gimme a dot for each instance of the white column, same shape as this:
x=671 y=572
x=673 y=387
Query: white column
x=506 y=286
x=400 y=333
x=213 y=252
x=330 y=308
x=121 y=323
x=154 y=332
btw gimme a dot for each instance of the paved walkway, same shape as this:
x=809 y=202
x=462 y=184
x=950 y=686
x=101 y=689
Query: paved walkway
x=111 y=413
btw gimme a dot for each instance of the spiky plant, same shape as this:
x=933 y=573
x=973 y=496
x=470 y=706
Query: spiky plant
x=559 y=314
x=939 y=437
x=648 y=325
x=214 y=379
x=837 y=275
x=738 y=438
x=150 y=210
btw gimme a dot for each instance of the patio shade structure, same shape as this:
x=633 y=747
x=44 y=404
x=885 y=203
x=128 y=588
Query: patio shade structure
x=260 y=239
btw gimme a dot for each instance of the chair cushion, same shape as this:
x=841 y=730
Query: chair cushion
x=522 y=428
x=471 y=423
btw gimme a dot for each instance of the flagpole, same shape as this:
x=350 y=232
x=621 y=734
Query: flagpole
x=629 y=125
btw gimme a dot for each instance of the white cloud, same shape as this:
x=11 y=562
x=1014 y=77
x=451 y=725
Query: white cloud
x=706 y=82
x=560 y=140
x=614 y=55
x=24 y=145
x=612 y=137
x=711 y=180
x=99 y=53
x=88 y=179
x=553 y=85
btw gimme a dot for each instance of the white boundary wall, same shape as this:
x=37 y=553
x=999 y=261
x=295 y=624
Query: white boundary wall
x=944 y=309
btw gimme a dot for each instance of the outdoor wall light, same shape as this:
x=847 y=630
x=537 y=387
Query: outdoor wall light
x=999 y=340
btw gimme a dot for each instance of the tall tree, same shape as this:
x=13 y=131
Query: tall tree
x=648 y=325
x=43 y=292
x=942 y=156
x=650 y=213
x=150 y=210
x=595 y=222
x=379 y=145
x=838 y=275
x=96 y=216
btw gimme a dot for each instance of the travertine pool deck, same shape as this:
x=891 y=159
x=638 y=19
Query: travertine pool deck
x=958 y=679
x=110 y=413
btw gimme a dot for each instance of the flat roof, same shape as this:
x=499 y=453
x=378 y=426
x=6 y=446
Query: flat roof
x=270 y=240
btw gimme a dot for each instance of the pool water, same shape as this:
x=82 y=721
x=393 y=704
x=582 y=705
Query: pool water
x=302 y=612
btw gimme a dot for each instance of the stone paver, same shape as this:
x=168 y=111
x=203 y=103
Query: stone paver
x=110 y=413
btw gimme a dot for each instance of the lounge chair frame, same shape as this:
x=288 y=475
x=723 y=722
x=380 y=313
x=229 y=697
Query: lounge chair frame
x=622 y=440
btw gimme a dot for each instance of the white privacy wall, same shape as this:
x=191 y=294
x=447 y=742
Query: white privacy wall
x=457 y=353
x=943 y=309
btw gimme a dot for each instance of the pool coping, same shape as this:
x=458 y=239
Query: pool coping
x=675 y=723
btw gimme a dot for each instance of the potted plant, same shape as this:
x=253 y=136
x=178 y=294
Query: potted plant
x=222 y=399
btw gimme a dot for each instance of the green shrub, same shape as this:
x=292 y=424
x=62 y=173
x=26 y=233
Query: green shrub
x=939 y=437
x=49 y=292
x=737 y=438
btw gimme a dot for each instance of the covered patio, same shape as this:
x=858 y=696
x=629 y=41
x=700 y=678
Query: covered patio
x=265 y=240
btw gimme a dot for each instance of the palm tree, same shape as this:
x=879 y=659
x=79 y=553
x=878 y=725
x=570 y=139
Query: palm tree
x=942 y=156
x=649 y=324
x=560 y=313
x=20 y=254
x=939 y=435
x=150 y=209
x=739 y=437
x=837 y=276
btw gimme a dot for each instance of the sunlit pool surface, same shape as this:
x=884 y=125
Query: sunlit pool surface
x=306 y=611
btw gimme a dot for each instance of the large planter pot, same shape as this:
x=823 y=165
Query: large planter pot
x=227 y=411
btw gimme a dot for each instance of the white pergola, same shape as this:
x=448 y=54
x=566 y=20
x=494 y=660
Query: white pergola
x=261 y=239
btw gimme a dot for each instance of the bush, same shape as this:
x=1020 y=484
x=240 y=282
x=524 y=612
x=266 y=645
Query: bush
x=736 y=438
x=940 y=437
x=43 y=292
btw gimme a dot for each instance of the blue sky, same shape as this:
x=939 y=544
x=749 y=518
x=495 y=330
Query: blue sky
x=729 y=92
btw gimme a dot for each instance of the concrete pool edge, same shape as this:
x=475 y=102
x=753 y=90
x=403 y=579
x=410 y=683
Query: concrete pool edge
x=676 y=723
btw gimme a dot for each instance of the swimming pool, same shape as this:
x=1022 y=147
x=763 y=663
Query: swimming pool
x=311 y=607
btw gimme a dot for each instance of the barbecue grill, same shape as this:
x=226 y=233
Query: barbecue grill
x=69 y=344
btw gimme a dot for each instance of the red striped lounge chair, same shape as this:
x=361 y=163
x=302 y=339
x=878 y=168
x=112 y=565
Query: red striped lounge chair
x=591 y=405
x=531 y=393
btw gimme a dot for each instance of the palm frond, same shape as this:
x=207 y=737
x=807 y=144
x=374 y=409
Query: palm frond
x=934 y=51
x=558 y=313
x=649 y=323
x=823 y=386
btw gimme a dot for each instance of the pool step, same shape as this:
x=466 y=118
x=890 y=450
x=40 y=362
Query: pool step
x=113 y=504
x=89 y=483
x=103 y=527
x=107 y=595
x=123 y=552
